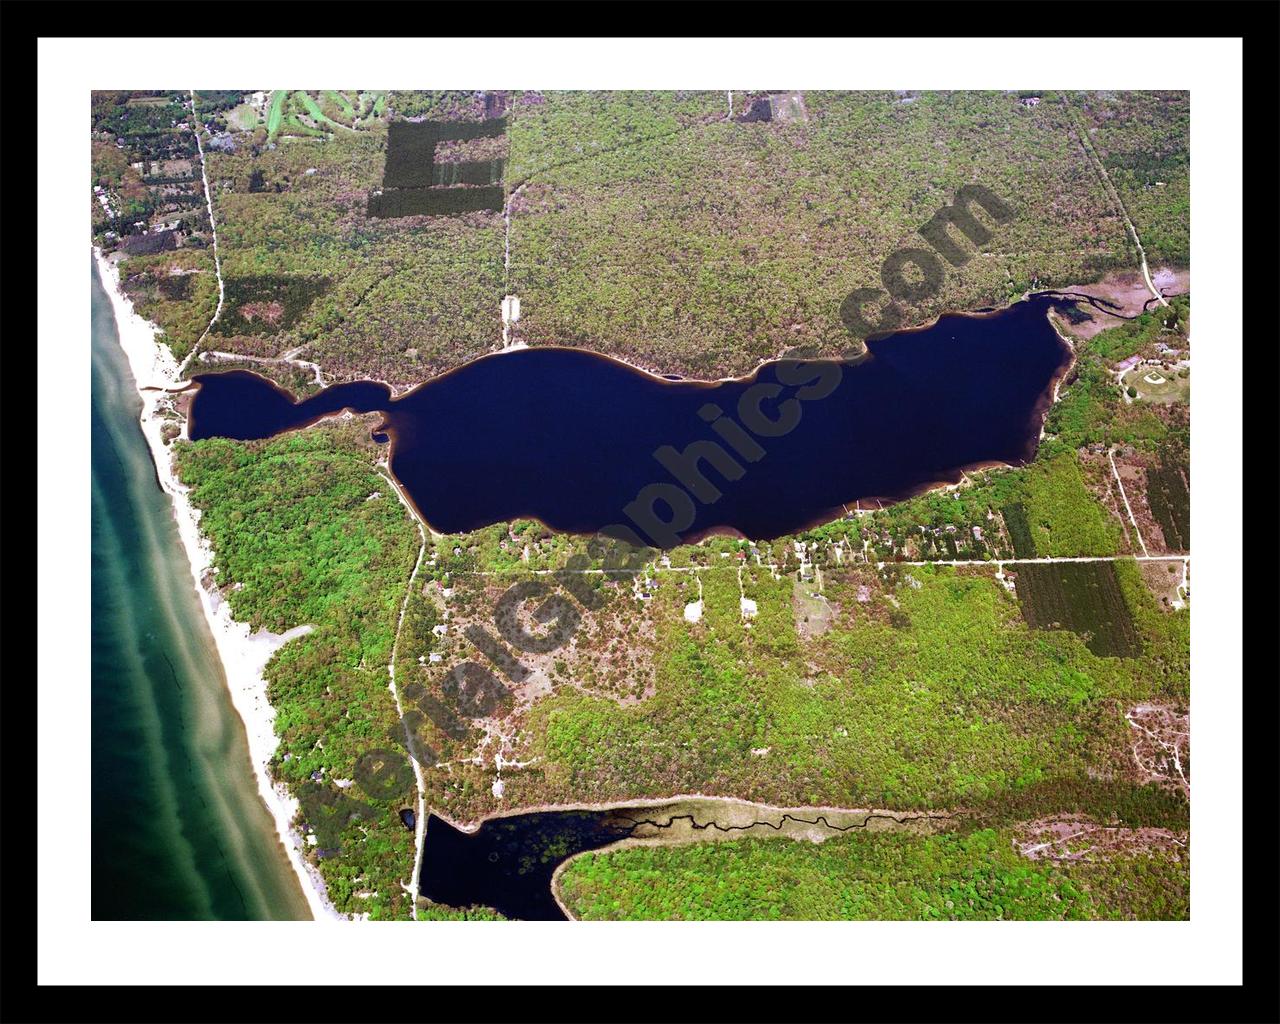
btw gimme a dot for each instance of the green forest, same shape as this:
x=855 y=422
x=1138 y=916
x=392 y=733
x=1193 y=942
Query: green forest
x=658 y=228
x=961 y=876
x=648 y=225
x=307 y=532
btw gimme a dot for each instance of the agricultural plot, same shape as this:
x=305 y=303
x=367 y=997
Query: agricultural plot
x=1015 y=522
x=468 y=172
x=434 y=202
x=1169 y=497
x=1083 y=597
x=415 y=184
x=410 y=153
x=411 y=147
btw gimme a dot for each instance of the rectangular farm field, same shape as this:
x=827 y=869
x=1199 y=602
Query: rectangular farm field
x=434 y=202
x=1084 y=597
x=1170 y=502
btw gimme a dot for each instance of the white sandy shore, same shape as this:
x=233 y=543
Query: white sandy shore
x=243 y=654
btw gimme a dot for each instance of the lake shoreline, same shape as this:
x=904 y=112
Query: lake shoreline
x=243 y=654
x=734 y=817
x=660 y=801
x=244 y=404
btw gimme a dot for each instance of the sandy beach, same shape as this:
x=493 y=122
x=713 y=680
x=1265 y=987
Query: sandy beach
x=243 y=654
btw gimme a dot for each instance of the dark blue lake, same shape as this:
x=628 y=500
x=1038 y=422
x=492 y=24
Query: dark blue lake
x=585 y=443
x=507 y=863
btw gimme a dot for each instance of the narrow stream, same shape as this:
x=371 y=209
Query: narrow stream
x=508 y=862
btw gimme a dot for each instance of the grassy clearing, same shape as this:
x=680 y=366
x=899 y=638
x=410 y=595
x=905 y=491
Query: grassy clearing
x=312 y=108
x=1158 y=384
x=343 y=104
x=243 y=118
x=275 y=112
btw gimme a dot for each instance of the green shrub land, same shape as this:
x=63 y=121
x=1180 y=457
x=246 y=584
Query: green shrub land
x=932 y=693
x=1144 y=142
x=406 y=298
x=1043 y=509
x=926 y=689
x=1064 y=517
x=307 y=532
x=911 y=687
x=645 y=225
x=649 y=226
x=177 y=291
x=973 y=876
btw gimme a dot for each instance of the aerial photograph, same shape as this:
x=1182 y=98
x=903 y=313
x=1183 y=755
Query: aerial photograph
x=707 y=505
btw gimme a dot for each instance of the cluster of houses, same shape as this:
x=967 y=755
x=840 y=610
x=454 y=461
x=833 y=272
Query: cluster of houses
x=174 y=187
x=1171 y=359
x=105 y=199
